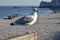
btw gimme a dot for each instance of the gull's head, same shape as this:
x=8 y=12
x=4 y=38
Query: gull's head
x=35 y=10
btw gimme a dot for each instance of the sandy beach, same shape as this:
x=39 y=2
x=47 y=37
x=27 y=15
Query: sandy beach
x=47 y=27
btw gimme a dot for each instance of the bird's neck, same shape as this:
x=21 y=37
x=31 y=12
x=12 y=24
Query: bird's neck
x=35 y=13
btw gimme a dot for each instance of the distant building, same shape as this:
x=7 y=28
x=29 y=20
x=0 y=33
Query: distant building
x=53 y=3
x=44 y=4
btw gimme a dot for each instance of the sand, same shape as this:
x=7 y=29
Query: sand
x=47 y=27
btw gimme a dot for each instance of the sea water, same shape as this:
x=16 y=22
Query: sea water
x=22 y=11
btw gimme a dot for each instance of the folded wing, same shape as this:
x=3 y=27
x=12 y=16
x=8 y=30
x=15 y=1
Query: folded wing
x=24 y=20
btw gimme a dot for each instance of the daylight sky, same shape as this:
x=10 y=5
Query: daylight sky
x=21 y=2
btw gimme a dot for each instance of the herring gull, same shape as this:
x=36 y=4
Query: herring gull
x=29 y=20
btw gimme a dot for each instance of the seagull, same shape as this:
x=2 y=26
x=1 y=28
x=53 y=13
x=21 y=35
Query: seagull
x=29 y=20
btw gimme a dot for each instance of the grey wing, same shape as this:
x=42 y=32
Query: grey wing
x=24 y=20
x=28 y=19
x=20 y=21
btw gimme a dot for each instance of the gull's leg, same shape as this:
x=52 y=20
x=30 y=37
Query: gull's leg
x=28 y=29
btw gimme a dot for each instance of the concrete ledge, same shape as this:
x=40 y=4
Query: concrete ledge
x=32 y=36
x=46 y=27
